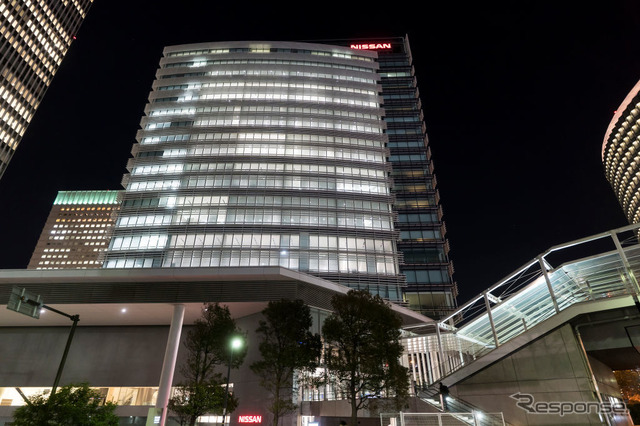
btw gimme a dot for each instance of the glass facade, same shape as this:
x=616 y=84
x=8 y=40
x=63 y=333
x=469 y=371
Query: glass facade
x=431 y=289
x=263 y=154
x=35 y=37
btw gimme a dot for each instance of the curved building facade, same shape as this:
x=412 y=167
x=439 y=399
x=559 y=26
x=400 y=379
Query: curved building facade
x=263 y=154
x=621 y=154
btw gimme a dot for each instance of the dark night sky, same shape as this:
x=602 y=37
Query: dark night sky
x=516 y=102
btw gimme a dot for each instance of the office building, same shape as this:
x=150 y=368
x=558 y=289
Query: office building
x=621 y=156
x=77 y=231
x=132 y=320
x=430 y=289
x=35 y=37
x=309 y=156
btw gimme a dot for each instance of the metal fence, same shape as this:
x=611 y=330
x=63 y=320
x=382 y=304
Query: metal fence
x=441 y=419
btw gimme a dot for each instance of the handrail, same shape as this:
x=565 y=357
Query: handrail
x=533 y=293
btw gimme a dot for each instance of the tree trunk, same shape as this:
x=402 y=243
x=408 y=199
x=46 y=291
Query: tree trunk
x=354 y=411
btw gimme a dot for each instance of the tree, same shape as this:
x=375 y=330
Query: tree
x=287 y=347
x=73 y=404
x=363 y=350
x=208 y=346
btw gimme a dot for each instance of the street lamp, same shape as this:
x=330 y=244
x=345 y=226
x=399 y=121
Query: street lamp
x=236 y=343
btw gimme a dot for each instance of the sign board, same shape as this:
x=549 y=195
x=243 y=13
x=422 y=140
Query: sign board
x=25 y=302
x=371 y=46
x=249 y=419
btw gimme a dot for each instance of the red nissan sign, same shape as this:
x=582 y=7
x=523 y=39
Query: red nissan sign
x=371 y=46
x=249 y=419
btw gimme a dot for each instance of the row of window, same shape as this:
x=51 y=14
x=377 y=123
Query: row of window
x=272 y=73
x=418 y=218
x=406 y=144
x=295 y=122
x=410 y=131
x=267 y=136
x=421 y=235
x=262 y=62
x=76 y=231
x=276 y=150
x=277 y=84
x=259 y=217
x=269 y=49
x=272 y=182
x=307 y=262
x=411 y=119
x=427 y=277
x=236 y=109
x=258 y=200
x=273 y=96
x=283 y=242
x=256 y=167
x=408 y=157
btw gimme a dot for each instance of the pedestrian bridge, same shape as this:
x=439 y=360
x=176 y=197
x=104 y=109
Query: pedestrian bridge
x=551 y=329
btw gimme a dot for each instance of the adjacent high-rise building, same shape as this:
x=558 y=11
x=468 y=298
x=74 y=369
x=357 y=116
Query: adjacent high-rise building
x=621 y=154
x=77 y=232
x=310 y=156
x=430 y=289
x=35 y=37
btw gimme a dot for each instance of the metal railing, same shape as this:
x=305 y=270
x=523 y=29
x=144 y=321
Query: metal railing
x=457 y=408
x=442 y=419
x=529 y=296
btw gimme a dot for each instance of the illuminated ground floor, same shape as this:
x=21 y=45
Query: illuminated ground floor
x=131 y=321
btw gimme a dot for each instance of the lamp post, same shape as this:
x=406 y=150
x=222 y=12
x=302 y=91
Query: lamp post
x=236 y=343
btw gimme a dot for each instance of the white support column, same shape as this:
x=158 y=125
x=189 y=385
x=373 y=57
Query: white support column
x=543 y=267
x=441 y=365
x=169 y=363
x=633 y=283
x=493 y=326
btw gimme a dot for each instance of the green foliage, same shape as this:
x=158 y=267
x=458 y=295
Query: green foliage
x=74 y=404
x=189 y=402
x=208 y=346
x=286 y=346
x=363 y=351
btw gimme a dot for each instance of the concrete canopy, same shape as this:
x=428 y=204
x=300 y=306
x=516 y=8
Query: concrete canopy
x=147 y=296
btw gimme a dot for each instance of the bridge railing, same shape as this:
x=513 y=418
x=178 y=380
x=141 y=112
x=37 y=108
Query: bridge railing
x=530 y=295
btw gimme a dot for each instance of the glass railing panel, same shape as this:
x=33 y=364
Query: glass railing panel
x=524 y=300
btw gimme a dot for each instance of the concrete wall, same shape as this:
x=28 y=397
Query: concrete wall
x=133 y=356
x=605 y=378
x=103 y=356
x=551 y=368
x=124 y=356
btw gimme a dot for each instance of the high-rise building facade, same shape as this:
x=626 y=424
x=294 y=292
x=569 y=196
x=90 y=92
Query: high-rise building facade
x=263 y=154
x=309 y=156
x=35 y=37
x=430 y=289
x=77 y=232
x=621 y=154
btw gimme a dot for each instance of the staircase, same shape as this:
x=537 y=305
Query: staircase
x=532 y=298
x=458 y=409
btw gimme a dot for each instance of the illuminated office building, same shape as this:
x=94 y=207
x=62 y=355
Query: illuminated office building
x=621 y=154
x=77 y=231
x=309 y=156
x=430 y=289
x=35 y=37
